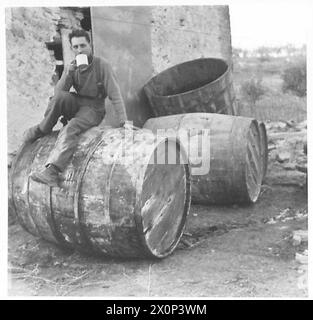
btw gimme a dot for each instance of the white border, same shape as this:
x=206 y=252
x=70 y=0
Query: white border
x=3 y=132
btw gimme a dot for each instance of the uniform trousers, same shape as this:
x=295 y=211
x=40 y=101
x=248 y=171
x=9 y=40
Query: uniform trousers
x=81 y=113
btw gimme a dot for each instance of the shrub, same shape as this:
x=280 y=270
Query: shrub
x=264 y=59
x=253 y=90
x=294 y=79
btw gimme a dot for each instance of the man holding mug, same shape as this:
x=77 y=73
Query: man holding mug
x=93 y=79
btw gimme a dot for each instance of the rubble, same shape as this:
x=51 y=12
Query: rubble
x=276 y=125
x=289 y=166
x=286 y=125
x=287 y=215
x=283 y=156
x=287 y=153
x=299 y=236
x=302 y=258
x=302 y=168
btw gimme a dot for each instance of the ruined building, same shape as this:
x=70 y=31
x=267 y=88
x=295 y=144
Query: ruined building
x=138 y=41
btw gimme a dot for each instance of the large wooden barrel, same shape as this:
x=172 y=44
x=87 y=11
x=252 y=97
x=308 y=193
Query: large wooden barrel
x=264 y=148
x=114 y=200
x=235 y=161
x=201 y=85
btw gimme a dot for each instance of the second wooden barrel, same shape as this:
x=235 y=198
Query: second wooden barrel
x=114 y=199
x=235 y=159
x=200 y=85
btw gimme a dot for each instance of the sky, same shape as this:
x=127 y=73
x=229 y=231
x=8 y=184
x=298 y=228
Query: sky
x=259 y=23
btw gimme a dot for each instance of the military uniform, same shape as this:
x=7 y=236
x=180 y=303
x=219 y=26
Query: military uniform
x=83 y=109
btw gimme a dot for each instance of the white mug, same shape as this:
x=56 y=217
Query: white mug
x=81 y=59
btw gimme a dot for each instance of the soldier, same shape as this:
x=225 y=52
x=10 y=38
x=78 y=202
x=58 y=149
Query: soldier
x=82 y=110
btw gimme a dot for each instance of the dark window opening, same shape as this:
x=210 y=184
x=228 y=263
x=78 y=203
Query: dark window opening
x=85 y=23
x=56 y=47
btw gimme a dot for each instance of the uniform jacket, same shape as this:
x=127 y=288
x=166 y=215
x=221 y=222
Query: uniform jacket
x=93 y=84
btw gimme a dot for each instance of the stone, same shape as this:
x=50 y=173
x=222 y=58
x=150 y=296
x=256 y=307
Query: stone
x=283 y=156
x=302 y=258
x=302 y=168
x=300 y=236
x=296 y=240
x=302 y=125
x=289 y=166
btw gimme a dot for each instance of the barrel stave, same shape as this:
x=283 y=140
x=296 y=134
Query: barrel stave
x=264 y=148
x=20 y=185
x=115 y=184
x=39 y=204
x=65 y=199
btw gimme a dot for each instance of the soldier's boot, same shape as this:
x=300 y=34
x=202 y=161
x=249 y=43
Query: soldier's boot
x=32 y=134
x=49 y=176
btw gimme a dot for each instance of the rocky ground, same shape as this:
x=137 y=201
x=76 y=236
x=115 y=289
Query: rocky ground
x=234 y=251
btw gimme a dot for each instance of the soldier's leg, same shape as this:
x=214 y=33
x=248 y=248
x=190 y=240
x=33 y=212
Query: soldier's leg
x=68 y=137
x=63 y=103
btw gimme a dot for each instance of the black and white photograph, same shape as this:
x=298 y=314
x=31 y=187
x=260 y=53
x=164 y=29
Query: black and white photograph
x=156 y=150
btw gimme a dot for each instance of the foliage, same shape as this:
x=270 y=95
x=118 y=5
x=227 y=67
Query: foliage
x=275 y=106
x=253 y=90
x=294 y=79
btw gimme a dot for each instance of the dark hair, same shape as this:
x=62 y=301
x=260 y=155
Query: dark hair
x=79 y=33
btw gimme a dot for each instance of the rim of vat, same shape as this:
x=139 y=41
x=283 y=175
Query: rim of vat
x=148 y=84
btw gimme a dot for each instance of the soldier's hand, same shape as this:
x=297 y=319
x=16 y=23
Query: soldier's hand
x=125 y=124
x=129 y=125
x=72 y=66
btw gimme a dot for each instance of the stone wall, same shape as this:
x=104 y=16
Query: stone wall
x=181 y=33
x=30 y=65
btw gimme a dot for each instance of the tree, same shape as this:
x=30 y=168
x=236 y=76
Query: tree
x=294 y=78
x=263 y=53
x=253 y=89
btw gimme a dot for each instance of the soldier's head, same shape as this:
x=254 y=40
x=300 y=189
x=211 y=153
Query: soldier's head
x=80 y=42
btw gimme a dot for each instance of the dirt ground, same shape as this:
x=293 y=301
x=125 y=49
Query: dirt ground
x=234 y=251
